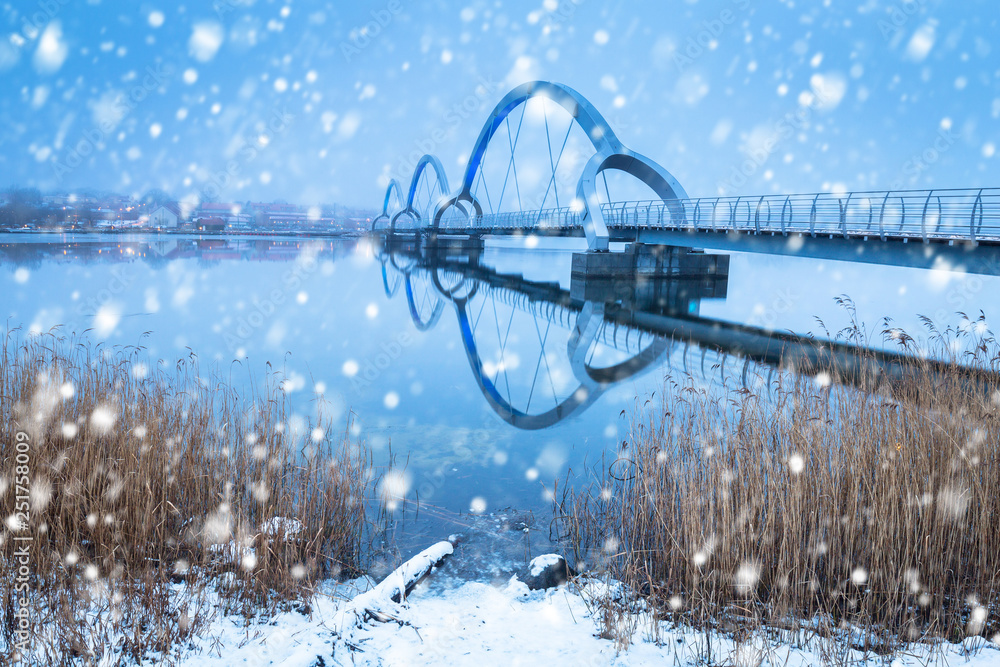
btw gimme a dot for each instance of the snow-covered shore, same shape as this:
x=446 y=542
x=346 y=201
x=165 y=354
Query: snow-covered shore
x=475 y=623
x=457 y=603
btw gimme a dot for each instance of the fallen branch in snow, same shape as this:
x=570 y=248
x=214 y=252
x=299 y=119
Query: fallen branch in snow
x=378 y=603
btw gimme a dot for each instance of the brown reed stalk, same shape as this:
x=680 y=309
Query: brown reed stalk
x=151 y=487
x=867 y=511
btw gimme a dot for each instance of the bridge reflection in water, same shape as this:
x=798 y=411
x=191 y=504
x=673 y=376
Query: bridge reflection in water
x=585 y=341
x=603 y=331
x=540 y=351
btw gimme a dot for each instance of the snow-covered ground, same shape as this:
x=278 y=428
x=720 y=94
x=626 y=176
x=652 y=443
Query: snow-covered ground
x=474 y=623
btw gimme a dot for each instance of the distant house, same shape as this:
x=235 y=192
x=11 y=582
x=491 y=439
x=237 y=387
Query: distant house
x=165 y=216
x=212 y=224
x=232 y=214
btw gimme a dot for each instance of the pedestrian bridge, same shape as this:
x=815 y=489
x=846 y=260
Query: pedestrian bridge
x=548 y=163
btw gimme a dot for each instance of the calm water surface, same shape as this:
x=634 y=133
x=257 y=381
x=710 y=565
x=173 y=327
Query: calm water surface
x=465 y=367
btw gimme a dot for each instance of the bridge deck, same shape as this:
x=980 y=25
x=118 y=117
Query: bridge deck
x=971 y=215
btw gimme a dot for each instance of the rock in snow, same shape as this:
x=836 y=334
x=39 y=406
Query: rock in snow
x=548 y=571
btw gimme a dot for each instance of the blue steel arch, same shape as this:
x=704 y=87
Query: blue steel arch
x=584 y=113
x=393 y=187
x=610 y=154
x=658 y=179
x=426 y=161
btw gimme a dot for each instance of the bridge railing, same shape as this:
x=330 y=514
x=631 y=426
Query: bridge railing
x=545 y=219
x=972 y=214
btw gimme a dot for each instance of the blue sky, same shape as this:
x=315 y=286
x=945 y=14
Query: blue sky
x=295 y=100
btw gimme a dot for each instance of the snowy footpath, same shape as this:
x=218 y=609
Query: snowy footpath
x=446 y=622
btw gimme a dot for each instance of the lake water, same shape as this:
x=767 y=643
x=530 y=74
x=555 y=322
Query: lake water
x=470 y=366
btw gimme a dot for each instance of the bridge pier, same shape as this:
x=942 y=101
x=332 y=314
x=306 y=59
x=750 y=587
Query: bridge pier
x=640 y=259
x=662 y=279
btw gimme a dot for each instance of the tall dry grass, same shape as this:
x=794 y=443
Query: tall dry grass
x=870 y=512
x=153 y=489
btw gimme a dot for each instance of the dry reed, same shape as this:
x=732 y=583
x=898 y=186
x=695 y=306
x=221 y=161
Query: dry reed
x=154 y=489
x=869 y=513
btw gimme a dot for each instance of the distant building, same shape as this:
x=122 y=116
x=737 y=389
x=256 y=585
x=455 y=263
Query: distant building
x=290 y=216
x=57 y=200
x=228 y=212
x=356 y=224
x=231 y=214
x=165 y=216
x=212 y=224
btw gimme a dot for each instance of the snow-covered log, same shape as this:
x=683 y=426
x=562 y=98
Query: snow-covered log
x=378 y=602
